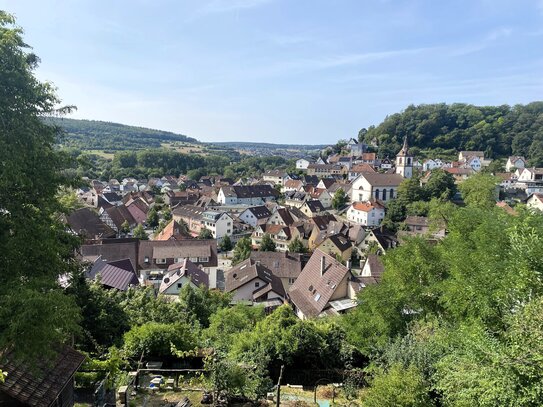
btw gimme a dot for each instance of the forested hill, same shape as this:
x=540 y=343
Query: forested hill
x=500 y=131
x=98 y=135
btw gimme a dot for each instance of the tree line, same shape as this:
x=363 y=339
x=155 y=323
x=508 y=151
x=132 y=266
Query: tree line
x=444 y=129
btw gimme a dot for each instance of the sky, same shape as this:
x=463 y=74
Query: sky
x=281 y=71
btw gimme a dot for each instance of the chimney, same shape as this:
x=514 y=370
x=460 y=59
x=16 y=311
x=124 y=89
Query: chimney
x=322 y=265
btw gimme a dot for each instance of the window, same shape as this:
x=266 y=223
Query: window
x=179 y=285
x=291 y=281
x=257 y=284
x=377 y=193
x=146 y=259
x=178 y=259
x=384 y=194
x=194 y=259
x=359 y=197
x=203 y=259
x=160 y=261
x=229 y=224
x=391 y=193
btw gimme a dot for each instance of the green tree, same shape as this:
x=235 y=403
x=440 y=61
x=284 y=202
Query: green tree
x=480 y=190
x=152 y=217
x=267 y=244
x=296 y=246
x=242 y=250
x=139 y=233
x=35 y=248
x=201 y=302
x=340 y=199
x=154 y=339
x=226 y=244
x=398 y=386
x=440 y=185
x=410 y=191
x=205 y=234
x=125 y=227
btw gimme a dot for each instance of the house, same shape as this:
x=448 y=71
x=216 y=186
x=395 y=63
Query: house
x=369 y=213
x=507 y=179
x=324 y=170
x=321 y=288
x=302 y=163
x=384 y=239
x=386 y=164
x=281 y=216
x=535 y=201
x=281 y=235
x=155 y=257
x=474 y=162
x=118 y=274
x=197 y=218
x=295 y=199
x=112 y=198
x=46 y=384
x=514 y=162
x=460 y=173
x=138 y=208
x=174 y=198
x=312 y=207
x=338 y=246
x=110 y=250
x=429 y=165
x=255 y=215
x=321 y=194
x=420 y=226
x=373 y=267
x=116 y=216
x=464 y=155
x=367 y=158
x=507 y=208
x=251 y=281
x=278 y=177
x=86 y=223
x=356 y=148
x=375 y=186
x=287 y=266
x=247 y=194
x=180 y=274
x=358 y=169
x=293 y=185
x=173 y=230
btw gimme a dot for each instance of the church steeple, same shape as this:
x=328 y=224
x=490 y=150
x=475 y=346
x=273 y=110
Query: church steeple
x=404 y=161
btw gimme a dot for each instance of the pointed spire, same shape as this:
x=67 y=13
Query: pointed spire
x=405 y=148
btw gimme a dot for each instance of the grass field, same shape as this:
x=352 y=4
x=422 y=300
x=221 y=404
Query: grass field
x=185 y=148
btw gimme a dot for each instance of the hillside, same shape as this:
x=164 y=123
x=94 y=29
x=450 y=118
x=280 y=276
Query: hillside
x=442 y=129
x=99 y=135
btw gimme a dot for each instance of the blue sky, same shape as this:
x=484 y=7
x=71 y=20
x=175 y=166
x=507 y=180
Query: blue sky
x=284 y=71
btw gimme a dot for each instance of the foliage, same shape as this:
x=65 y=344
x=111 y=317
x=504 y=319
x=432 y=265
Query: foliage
x=242 y=250
x=200 y=303
x=480 y=190
x=104 y=321
x=140 y=233
x=397 y=386
x=152 y=217
x=98 y=135
x=442 y=129
x=296 y=246
x=340 y=199
x=267 y=244
x=154 y=339
x=226 y=244
x=35 y=248
x=125 y=227
x=205 y=234
x=440 y=185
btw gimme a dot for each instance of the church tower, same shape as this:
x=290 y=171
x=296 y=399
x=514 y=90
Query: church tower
x=404 y=161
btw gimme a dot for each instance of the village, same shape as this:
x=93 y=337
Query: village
x=312 y=239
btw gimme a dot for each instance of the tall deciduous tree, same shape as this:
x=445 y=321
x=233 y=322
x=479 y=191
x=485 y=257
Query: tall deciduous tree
x=34 y=246
x=205 y=234
x=340 y=199
x=480 y=190
x=242 y=250
x=267 y=244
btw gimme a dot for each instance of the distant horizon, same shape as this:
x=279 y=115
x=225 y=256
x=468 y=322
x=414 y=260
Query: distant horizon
x=309 y=71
